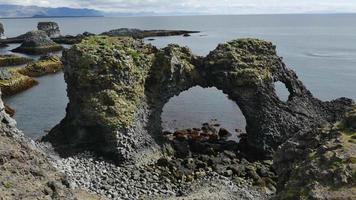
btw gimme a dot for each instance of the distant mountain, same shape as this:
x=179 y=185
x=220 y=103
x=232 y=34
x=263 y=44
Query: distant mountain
x=9 y=11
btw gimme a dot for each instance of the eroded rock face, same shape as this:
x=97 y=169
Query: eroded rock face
x=51 y=28
x=37 y=42
x=320 y=164
x=117 y=88
x=25 y=171
x=246 y=70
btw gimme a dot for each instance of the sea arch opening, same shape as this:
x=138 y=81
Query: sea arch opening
x=198 y=106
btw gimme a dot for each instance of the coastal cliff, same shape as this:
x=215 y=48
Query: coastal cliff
x=26 y=171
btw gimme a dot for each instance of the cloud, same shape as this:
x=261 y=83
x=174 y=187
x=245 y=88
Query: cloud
x=200 y=6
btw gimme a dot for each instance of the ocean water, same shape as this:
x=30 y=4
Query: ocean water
x=320 y=48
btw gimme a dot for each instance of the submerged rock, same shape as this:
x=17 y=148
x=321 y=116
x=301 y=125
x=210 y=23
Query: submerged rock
x=37 y=42
x=45 y=65
x=51 y=28
x=12 y=60
x=117 y=88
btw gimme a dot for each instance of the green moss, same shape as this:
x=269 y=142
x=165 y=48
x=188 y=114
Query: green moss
x=114 y=69
x=12 y=60
x=8 y=185
x=44 y=66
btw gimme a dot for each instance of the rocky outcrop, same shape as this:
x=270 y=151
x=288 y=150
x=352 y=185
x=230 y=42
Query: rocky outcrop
x=137 y=33
x=246 y=70
x=37 y=42
x=45 y=65
x=51 y=28
x=12 y=60
x=26 y=171
x=2 y=31
x=320 y=164
x=117 y=88
x=12 y=82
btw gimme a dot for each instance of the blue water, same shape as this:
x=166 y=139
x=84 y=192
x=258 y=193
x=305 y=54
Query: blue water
x=320 y=48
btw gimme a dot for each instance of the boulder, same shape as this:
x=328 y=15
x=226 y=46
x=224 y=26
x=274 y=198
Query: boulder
x=117 y=87
x=51 y=28
x=37 y=42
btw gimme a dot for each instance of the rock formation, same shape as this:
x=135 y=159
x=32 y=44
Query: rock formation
x=320 y=164
x=51 y=28
x=117 y=88
x=12 y=82
x=37 y=42
x=246 y=70
x=137 y=33
x=2 y=31
x=45 y=65
x=12 y=60
x=26 y=171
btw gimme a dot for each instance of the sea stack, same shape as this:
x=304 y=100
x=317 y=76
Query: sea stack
x=37 y=42
x=51 y=28
x=2 y=31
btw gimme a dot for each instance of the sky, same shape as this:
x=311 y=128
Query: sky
x=201 y=6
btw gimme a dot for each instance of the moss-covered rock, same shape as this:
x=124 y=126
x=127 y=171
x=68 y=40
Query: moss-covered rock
x=117 y=87
x=37 y=42
x=45 y=65
x=12 y=82
x=12 y=60
x=319 y=164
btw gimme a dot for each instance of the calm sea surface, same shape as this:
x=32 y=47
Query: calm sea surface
x=320 y=48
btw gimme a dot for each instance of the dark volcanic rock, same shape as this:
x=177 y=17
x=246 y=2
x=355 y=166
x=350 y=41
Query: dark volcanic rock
x=37 y=42
x=117 y=88
x=51 y=28
x=246 y=70
x=2 y=31
x=320 y=164
x=137 y=33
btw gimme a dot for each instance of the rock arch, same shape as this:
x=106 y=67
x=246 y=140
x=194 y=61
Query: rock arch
x=117 y=88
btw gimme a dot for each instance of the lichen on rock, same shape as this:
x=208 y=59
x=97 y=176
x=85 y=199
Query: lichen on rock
x=320 y=164
x=45 y=65
x=12 y=60
x=117 y=87
x=12 y=82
